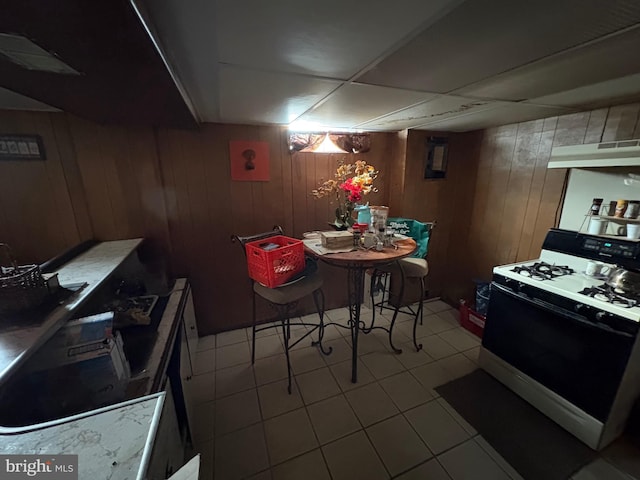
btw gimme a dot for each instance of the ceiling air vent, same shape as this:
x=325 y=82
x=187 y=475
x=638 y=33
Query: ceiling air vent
x=22 y=51
x=625 y=153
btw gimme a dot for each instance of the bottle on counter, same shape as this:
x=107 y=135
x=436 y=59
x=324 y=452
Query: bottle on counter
x=595 y=206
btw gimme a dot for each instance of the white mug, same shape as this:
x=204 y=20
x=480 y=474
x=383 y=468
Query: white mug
x=595 y=269
x=598 y=226
x=633 y=231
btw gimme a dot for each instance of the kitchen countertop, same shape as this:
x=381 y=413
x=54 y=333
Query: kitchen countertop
x=93 y=267
x=113 y=443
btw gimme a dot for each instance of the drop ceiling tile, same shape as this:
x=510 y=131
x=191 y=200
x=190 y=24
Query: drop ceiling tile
x=334 y=38
x=254 y=97
x=442 y=107
x=611 y=92
x=189 y=43
x=482 y=38
x=501 y=114
x=354 y=104
x=11 y=100
x=597 y=62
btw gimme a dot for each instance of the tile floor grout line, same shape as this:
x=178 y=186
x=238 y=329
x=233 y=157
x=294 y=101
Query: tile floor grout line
x=342 y=392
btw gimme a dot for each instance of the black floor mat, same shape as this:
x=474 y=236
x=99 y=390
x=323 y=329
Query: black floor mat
x=533 y=444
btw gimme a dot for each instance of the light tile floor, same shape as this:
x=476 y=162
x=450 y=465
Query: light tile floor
x=391 y=424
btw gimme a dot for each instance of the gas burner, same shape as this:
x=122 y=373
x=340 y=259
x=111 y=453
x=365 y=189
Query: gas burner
x=605 y=293
x=543 y=271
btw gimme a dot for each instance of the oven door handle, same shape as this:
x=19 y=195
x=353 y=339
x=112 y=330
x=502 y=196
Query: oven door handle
x=568 y=314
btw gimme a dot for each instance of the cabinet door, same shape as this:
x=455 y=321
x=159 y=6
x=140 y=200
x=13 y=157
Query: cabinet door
x=168 y=451
x=191 y=327
x=186 y=377
x=191 y=470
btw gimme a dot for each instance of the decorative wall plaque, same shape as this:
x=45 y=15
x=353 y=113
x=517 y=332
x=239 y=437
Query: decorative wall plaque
x=22 y=147
x=249 y=161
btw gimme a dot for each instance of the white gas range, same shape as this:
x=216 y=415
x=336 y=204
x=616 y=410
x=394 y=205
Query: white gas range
x=563 y=340
x=565 y=275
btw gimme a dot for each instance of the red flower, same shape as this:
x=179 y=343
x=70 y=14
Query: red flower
x=354 y=191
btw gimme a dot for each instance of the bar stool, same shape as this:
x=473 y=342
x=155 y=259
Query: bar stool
x=284 y=300
x=415 y=267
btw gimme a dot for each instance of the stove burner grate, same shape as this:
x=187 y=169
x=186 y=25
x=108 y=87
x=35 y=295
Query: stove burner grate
x=608 y=294
x=543 y=271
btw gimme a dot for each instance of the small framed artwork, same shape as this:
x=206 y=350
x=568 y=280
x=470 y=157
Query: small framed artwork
x=249 y=161
x=437 y=150
x=21 y=147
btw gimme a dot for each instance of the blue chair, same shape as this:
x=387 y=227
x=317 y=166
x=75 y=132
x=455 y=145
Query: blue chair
x=414 y=267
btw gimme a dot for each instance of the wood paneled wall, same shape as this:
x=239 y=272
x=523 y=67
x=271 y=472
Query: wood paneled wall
x=42 y=205
x=172 y=187
x=515 y=198
x=447 y=201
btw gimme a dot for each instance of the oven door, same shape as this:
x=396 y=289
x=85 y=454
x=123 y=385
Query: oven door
x=580 y=360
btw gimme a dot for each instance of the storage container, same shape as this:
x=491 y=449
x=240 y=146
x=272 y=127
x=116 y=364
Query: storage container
x=472 y=320
x=274 y=260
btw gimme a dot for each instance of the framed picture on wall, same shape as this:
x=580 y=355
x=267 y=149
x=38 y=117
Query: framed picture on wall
x=249 y=161
x=21 y=147
x=436 y=164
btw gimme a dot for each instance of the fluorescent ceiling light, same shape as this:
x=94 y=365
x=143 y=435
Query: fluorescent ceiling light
x=22 y=51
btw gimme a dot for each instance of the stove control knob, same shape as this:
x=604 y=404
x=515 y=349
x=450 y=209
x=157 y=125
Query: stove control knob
x=601 y=315
x=579 y=307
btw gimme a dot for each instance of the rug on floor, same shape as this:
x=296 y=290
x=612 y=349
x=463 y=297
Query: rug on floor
x=533 y=444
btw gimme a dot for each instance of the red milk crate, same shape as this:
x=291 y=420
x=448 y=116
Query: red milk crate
x=472 y=320
x=274 y=260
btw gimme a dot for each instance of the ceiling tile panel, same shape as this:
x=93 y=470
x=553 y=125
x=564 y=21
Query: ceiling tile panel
x=482 y=38
x=444 y=106
x=185 y=35
x=608 y=59
x=502 y=114
x=255 y=97
x=619 y=90
x=354 y=104
x=14 y=101
x=333 y=38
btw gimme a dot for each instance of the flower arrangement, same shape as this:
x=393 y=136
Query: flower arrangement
x=350 y=183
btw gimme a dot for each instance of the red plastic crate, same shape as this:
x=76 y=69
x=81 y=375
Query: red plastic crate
x=472 y=320
x=275 y=267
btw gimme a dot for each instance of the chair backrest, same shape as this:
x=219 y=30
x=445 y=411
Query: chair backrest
x=419 y=231
x=277 y=230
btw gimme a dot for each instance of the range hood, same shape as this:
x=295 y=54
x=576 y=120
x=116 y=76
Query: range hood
x=625 y=153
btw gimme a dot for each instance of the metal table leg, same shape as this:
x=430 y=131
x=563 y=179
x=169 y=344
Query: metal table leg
x=356 y=285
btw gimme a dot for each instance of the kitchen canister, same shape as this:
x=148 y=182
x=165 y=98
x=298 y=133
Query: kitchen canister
x=621 y=208
x=364 y=214
x=632 y=209
x=598 y=226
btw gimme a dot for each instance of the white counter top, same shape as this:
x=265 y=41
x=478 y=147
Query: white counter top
x=111 y=443
x=93 y=267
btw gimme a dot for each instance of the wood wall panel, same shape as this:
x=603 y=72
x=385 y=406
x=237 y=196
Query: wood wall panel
x=621 y=122
x=446 y=201
x=122 y=183
x=174 y=187
x=36 y=201
x=516 y=198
